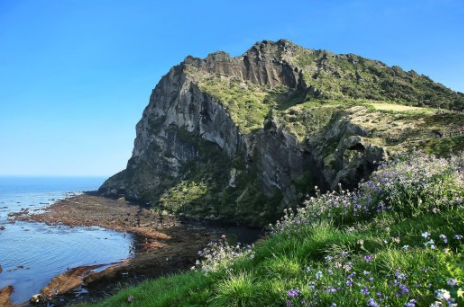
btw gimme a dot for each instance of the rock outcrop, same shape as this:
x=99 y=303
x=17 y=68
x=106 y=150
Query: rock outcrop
x=243 y=137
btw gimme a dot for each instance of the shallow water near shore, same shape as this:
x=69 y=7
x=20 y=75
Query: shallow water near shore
x=31 y=254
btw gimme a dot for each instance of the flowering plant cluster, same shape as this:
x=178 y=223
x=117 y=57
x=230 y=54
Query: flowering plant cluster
x=218 y=255
x=408 y=185
x=395 y=241
x=368 y=281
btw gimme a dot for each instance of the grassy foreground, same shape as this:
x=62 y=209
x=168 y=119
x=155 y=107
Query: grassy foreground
x=396 y=241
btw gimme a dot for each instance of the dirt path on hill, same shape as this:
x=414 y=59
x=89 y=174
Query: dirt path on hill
x=163 y=245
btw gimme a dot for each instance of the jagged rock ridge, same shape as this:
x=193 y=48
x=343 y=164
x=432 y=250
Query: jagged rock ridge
x=243 y=137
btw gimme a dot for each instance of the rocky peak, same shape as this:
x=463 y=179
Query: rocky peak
x=243 y=137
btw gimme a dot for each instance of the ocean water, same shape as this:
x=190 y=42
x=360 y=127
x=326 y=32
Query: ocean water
x=31 y=254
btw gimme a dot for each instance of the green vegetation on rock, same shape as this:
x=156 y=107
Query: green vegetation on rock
x=241 y=138
x=247 y=103
x=398 y=240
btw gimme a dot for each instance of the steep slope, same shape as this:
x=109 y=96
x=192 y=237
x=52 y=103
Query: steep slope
x=241 y=138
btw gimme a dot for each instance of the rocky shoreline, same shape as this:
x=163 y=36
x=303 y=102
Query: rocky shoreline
x=163 y=244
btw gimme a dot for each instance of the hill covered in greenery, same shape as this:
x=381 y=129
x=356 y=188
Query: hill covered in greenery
x=397 y=240
x=325 y=148
x=242 y=138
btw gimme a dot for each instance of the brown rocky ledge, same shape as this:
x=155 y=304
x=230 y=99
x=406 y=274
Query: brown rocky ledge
x=5 y=296
x=163 y=245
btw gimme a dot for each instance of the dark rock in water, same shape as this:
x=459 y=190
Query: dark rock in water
x=241 y=138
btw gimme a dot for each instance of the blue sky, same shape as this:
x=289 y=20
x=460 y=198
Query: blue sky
x=75 y=75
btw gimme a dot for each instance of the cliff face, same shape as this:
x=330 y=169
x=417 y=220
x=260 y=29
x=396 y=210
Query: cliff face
x=241 y=138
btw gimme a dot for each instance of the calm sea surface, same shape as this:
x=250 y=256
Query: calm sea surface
x=31 y=254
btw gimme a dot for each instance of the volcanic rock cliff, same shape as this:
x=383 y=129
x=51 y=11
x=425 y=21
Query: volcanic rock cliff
x=241 y=138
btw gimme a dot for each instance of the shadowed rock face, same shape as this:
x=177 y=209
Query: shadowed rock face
x=192 y=157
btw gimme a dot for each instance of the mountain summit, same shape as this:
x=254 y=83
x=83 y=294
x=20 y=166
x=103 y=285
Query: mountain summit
x=241 y=138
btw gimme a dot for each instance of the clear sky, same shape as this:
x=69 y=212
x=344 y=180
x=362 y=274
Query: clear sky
x=75 y=75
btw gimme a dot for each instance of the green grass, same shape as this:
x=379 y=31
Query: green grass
x=185 y=192
x=247 y=103
x=443 y=147
x=340 y=77
x=331 y=251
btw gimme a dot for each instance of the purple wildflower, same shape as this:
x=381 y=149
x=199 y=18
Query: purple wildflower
x=368 y=258
x=293 y=293
x=404 y=289
x=411 y=303
x=365 y=291
x=451 y=282
x=371 y=302
x=331 y=290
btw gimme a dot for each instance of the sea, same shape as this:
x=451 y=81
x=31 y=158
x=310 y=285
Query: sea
x=32 y=254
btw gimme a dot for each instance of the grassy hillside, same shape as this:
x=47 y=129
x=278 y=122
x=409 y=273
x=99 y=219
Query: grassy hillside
x=398 y=240
x=342 y=76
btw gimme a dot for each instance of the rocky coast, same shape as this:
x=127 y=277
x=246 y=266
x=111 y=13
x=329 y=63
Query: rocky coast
x=163 y=244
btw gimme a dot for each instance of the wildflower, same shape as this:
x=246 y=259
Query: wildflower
x=293 y=293
x=366 y=272
x=444 y=238
x=331 y=290
x=368 y=258
x=442 y=294
x=411 y=303
x=371 y=302
x=425 y=235
x=347 y=267
x=400 y=276
x=319 y=275
x=365 y=291
x=458 y=237
x=311 y=285
x=405 y=247
x=431 y=243
x=396 y=240
x=451 y=282
x=404 y=289
x=360 y=242
x=130 y=298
